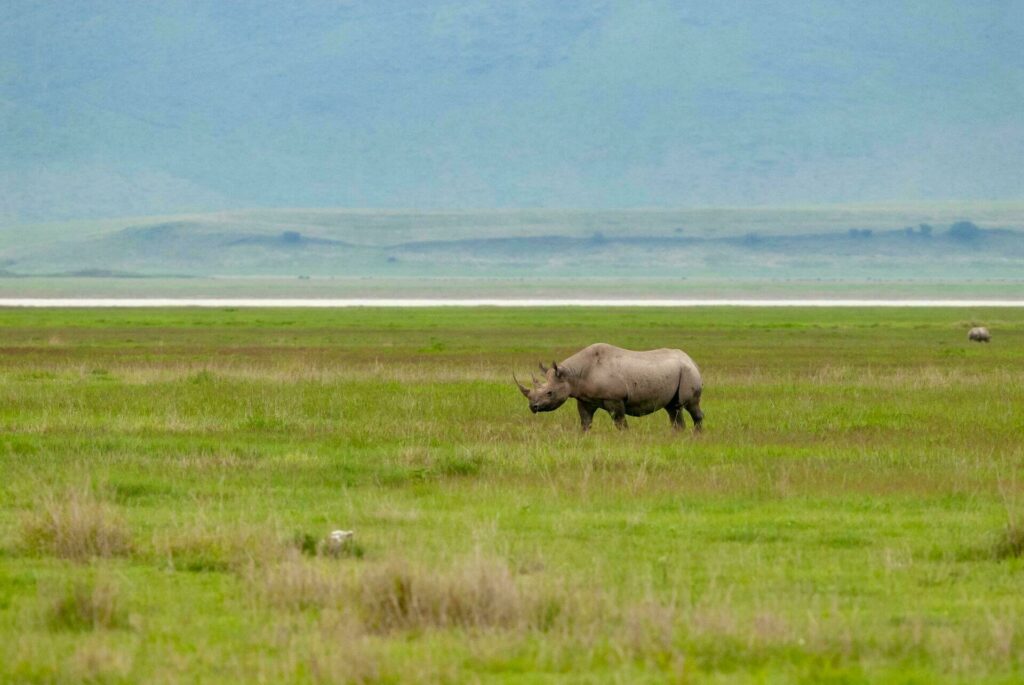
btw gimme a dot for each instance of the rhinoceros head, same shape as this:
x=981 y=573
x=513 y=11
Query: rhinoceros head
x=549 y=394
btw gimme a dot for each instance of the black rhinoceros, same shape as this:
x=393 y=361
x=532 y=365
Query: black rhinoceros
x=622 y=382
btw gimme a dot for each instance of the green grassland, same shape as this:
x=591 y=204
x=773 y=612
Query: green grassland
x=852 y=513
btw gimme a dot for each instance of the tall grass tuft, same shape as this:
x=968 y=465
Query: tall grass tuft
x=206 y=545
x=87 y=605
x=75 y=524
x=1010 y=543
x=94 y=660
x=481 y=593
x=339 y=652
x=298 y=584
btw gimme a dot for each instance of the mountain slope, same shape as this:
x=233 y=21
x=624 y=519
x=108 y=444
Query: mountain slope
x=111 y=108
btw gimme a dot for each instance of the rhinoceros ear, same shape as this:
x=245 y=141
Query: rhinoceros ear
x=558 y=371
x=522 y=389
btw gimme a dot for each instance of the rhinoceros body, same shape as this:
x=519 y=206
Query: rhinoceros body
x=979 y=334
x=622 y=382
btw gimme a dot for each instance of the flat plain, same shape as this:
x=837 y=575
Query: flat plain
x=853 y=511
x=509 y=288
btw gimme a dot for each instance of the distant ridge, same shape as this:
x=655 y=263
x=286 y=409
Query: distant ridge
x=813 y=243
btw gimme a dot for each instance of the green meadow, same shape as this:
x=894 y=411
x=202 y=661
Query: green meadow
x=853 y=511
x=509 y=288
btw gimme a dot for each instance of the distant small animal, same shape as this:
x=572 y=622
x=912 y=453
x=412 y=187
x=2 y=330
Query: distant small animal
x=336 y=542
x=621 y=382
x=979 y=334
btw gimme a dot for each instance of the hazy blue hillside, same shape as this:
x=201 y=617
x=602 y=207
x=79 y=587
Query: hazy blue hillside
x=850 y=243
x=112 y=108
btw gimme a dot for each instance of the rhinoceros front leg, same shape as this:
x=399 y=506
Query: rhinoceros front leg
x=586 y=411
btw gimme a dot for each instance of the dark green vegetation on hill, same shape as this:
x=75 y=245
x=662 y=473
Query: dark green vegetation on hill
x=853 y=511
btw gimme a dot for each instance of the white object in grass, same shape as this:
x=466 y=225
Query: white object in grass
x=337 y=541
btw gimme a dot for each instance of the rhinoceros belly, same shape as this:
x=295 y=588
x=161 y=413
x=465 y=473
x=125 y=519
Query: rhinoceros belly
x=641 y=406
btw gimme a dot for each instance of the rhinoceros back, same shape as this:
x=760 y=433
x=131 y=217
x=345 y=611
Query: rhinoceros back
x=647 y=380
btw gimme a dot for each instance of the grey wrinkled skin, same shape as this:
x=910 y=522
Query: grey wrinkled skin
x=979 y=334
x=623 y=383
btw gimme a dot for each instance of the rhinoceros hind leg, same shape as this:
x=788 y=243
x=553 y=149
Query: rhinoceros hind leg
x=675 y=415
x=696 y=414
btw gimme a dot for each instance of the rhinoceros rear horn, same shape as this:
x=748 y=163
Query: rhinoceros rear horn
x=543 y=368
x=522 y=389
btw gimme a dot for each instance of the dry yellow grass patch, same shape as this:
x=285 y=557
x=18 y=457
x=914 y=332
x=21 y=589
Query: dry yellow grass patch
x=339 y=653
x=201 y=544
x=333 y=648
x=480 y=593
x=87 y=605
x=75 y=524
x=297 y=583
x=95 y=661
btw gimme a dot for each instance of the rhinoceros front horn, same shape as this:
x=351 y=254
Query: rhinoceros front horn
x=522 y=389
